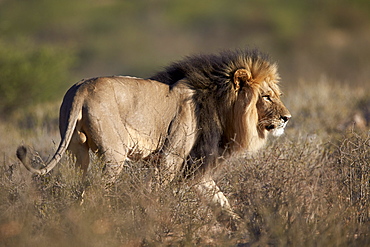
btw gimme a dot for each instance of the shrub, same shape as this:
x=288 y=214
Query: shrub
x=31 y=74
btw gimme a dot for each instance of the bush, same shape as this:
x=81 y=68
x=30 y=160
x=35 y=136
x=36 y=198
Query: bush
x=294 y=193
x=304 y=193
x=31 y=74
x=309 y=187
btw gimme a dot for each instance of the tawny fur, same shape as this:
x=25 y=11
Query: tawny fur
x=188 y=116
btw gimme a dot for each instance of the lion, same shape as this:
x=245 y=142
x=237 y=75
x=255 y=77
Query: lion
x=191 y=116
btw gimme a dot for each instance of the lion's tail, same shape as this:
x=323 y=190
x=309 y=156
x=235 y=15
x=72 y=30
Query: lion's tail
x=22 y=151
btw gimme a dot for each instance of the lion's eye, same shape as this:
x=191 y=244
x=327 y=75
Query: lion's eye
x=267 y=98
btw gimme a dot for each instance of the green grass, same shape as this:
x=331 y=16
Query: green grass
x=307 y=188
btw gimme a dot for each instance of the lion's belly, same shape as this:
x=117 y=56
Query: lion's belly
x=141 y=144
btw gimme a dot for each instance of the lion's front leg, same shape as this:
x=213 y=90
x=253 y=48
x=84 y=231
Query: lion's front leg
x=111 y=172
x=214 y=197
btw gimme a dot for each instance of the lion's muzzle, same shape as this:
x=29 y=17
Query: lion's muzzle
x=277 y=129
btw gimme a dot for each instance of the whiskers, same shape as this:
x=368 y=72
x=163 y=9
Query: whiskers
x=270 y=124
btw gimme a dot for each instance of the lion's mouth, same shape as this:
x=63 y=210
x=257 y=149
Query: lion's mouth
x=276 y=130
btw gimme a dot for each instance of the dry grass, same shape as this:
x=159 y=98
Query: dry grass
x=308 y=188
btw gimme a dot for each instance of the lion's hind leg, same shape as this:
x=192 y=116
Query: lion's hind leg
x=113 y=152
x=80 y=149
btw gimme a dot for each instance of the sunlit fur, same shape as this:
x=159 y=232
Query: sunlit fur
x=229 y=118
x=184 y=120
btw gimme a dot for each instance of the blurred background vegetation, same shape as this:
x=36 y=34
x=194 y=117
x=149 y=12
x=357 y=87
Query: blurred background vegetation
x=46 y=46
x=310 y=187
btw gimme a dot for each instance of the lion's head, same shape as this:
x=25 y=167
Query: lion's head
x=258 y=108
x=272 y=114
x=237 y=99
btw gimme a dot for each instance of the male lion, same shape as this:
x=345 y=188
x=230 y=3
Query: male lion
x=195 y=113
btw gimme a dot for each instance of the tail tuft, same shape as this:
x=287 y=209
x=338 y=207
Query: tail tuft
x=23 y=156
x=22 y=153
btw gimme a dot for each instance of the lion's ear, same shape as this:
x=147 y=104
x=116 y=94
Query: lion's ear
x=241 y=77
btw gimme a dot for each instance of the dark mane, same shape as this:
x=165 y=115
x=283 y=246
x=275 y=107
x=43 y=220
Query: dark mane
x=211 y=78
x=204 y=71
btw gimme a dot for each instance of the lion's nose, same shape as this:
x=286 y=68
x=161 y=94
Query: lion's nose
x=285 y=118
